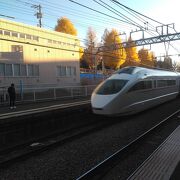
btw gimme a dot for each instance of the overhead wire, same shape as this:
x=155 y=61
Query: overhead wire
x=137 y=12
x=129 y=9
x=100 y=12
x=120 y=4
x=88 y=16
x=118 y=13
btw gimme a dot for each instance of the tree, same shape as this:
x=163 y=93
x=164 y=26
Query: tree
x=175 y=66
x=81 y=52
x=64 y=25
x=90 y=52
x=132 y=57
x=147 y=58
x=113 y=54
x=167 y=63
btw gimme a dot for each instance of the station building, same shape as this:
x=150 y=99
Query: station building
x=37 y=57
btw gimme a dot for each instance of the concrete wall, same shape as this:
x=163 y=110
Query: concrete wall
x=46 y=48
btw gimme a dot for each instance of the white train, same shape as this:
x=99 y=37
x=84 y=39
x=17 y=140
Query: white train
x=134 y=89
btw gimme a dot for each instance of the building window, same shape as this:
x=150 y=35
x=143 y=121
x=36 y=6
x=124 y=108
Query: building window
x=16 y=69
x=36 y=38
x=73 y=71
x=30 y=70
x=61 y=70
x=6 y=33
x=55 y=42
x=22 y=35
x=36 y=70
x=28 y=36
x=14 y=34
x=16 y=48
x=2 y=69
x=1 y=31
x=68 y=71
x=9 y=71
x=58 y=70
x=23 y=70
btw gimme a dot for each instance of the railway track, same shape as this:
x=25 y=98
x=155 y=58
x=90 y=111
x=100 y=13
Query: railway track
x=25 y=150
x=18 y=127
x=84 y=147
x=42 y=109
x=100 y=170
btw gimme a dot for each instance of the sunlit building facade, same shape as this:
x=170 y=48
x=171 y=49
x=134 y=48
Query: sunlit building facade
x=35 y=56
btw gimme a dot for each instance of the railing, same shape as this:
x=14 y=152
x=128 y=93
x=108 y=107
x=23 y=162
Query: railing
x=46 y=93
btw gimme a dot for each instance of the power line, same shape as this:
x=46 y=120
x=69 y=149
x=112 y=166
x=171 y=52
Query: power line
x=100 y=12
x=118 y=13
x=7 y=16
x=137 y=12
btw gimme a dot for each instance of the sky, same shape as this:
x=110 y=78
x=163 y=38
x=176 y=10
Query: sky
x=164 y=11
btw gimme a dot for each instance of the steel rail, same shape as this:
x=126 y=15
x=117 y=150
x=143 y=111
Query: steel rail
x=98 y=171
x=52 y=140
x=42 y=109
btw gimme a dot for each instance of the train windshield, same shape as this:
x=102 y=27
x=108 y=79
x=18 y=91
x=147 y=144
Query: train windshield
x=111 y=86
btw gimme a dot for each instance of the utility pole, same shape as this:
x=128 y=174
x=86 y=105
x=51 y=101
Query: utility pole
x=38 y=14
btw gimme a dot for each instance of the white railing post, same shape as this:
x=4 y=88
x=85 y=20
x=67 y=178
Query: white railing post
x=34 y=95
x=71 y=92
x=55 y=93
x=86 y=90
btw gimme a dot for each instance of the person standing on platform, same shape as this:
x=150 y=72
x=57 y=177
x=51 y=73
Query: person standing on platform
x=12 y=96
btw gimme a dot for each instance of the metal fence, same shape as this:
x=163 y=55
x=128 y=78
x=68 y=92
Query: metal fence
x=46 y=93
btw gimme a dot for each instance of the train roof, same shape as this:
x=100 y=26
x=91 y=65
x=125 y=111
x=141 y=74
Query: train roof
x=146 y=71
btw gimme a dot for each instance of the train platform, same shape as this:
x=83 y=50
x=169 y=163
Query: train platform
x=164 y=163
x=5 y=109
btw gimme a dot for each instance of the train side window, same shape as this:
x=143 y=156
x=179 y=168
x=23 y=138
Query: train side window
x=154 y=82
x=148 y=84
x=141 y=86
x=171 y=82
x=137 y=86
x=161 y=83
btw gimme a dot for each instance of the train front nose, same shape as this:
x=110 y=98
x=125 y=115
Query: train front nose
x=100 y=103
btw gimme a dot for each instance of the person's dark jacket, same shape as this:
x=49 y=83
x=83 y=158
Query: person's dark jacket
x=12 y=92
